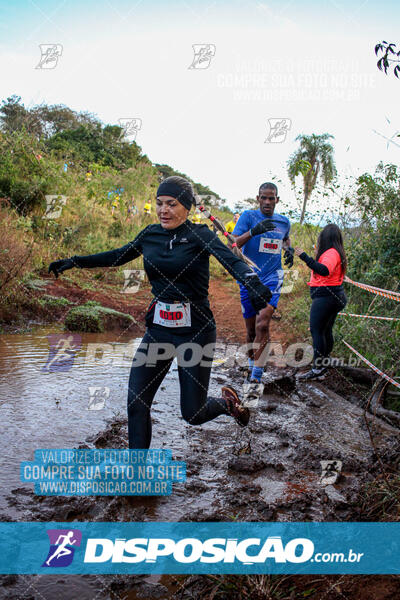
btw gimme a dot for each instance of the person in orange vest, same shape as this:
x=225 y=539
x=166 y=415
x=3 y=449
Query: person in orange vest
x=328 y=269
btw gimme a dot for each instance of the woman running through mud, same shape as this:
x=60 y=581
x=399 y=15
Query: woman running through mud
x=179 y=320
x=327 y=293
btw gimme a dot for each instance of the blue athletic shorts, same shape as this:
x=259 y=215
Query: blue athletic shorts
x=274 y=285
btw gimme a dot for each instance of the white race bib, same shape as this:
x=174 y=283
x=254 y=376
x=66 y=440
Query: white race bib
x=272 y=246
x=172 y=315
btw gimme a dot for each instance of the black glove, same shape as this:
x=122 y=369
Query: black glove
x=259 y=294
x=288 y=255
x=262 y=227
x=58 y=266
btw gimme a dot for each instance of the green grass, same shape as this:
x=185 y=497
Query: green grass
x=380 y=499
x=49 y=301
x=92 y=317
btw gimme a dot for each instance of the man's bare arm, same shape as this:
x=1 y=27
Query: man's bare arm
x=258 y=229
x=242 y=239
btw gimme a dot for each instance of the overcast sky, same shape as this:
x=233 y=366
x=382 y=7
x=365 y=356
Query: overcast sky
x=310 y=63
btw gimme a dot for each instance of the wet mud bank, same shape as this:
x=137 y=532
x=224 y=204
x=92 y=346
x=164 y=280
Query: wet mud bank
x=269 y=471
x=49 y=301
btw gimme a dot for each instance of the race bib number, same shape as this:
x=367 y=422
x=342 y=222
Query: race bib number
x=270 y=245
x=172 y=315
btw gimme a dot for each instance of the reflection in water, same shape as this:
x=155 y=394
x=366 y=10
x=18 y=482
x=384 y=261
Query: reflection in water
x=57 y=409
x=61 y=409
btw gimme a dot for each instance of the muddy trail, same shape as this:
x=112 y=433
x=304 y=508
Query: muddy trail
x=269 y=471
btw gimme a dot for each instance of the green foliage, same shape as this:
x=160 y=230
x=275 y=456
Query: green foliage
x=84 y=318
x=389 y=55
x=302 y=167
x=374 y=253
x=48 y=300
x=27 y=174
x=115 y=229
x=92 y=143
x=41 y=121
x=372 y=244
x=78 y=138
x=92 y=317
x=15 y=117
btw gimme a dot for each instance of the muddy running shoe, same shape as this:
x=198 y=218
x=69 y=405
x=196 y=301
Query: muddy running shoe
x=312 y=374
x=239 y=412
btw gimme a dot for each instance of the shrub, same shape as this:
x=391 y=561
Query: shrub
x=15 y=254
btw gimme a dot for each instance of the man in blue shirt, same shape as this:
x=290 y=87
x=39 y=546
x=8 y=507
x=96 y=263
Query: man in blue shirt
x=263 y=245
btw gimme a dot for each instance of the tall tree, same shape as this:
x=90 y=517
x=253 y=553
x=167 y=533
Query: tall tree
x=313 y=159
x=15 y=117
x=41 y=120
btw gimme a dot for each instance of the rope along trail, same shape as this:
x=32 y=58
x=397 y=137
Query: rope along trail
x=369 y=316
x=386 y=294
x=381 y=373
x=375 y=290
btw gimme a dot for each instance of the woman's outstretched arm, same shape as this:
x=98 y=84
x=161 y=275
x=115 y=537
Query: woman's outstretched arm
x=111 y=258
x=314 y=265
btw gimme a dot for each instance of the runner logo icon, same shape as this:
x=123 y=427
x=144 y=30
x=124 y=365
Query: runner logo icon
x=63 y=348
x=61 y=552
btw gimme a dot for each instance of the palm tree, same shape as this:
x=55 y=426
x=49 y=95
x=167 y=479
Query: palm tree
x=313 y=158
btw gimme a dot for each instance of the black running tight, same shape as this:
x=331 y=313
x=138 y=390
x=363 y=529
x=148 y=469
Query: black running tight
x=194 y=356
x=324 y=310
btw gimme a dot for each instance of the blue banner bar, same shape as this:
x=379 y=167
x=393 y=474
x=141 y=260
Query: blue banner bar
x=176 y=548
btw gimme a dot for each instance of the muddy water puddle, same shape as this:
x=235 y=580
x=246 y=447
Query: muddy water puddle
x=45 y=408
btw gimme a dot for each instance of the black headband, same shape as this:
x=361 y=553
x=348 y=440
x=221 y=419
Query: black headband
x=168 y=188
